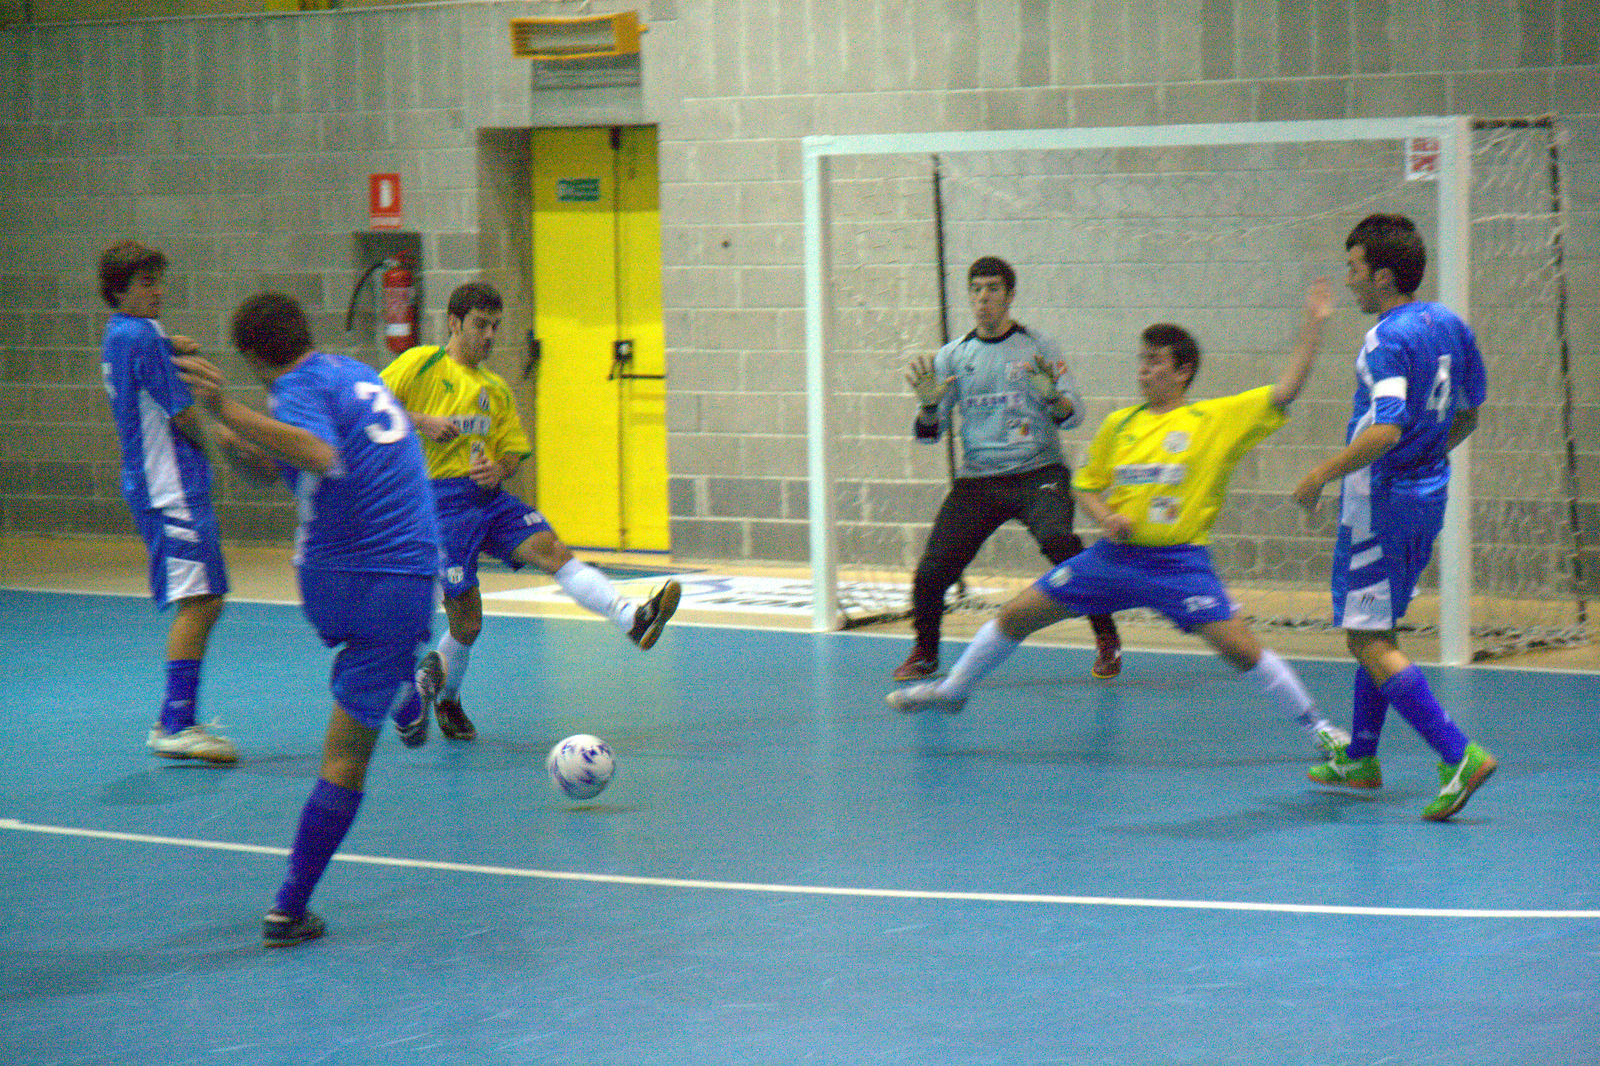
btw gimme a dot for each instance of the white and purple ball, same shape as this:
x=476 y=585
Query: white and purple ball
x=580 y=767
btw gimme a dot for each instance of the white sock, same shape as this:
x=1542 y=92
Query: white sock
x=593 y=590
x=989 y=648
x=455 y=656
x=1283 y=689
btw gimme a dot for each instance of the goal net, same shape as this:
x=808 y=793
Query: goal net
x=1220 y=229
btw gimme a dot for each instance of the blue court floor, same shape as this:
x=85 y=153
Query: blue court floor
x=783 y=871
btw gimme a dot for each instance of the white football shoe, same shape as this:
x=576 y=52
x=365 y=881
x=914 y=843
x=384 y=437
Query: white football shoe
x=923 y=697
x=192 y=743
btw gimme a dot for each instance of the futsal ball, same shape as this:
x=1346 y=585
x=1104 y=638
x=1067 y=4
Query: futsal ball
x=580 y=766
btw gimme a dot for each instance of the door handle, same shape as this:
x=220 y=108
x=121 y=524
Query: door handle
x=621 y=359
x=531 y=363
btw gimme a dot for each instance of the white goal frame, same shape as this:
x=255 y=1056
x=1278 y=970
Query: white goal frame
x=1451 y=256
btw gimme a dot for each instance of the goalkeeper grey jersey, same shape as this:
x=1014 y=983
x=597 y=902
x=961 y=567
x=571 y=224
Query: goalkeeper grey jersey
x=1005 y=428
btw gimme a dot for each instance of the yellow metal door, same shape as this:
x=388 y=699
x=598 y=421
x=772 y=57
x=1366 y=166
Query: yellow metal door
x=601 y=433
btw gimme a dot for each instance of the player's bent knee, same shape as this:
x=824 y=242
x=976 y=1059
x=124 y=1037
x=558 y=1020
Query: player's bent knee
x=544 y=551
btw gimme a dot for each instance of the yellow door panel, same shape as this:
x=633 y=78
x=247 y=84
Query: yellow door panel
x=575 y=313
x=644 y=407
x=601 y=424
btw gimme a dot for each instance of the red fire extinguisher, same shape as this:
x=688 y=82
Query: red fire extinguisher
x=399 y=305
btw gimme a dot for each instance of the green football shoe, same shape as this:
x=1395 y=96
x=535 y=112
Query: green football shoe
x=1346 y=772
x=1459 y=781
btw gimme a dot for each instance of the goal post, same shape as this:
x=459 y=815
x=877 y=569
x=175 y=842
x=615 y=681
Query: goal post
x=1218 y=227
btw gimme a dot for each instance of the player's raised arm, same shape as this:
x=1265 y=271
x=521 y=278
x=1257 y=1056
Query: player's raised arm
x=1319 y=305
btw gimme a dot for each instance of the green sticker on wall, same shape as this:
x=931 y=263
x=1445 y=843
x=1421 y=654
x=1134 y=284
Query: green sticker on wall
x=577 y=190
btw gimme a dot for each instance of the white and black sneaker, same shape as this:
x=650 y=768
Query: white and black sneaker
x=429 y=679
x=652 y=616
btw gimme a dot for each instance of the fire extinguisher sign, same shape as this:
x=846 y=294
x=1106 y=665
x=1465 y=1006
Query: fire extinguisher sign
x=383 y=200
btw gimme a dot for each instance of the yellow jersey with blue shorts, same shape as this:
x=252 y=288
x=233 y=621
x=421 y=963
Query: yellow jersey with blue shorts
x=1168 y=474
x=477 y=402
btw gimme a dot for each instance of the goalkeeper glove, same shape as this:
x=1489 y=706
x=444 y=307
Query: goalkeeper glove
x=929 y=389
x=1042 y=380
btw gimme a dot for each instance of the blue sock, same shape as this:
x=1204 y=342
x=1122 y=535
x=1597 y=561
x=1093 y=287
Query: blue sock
x=1409 y=693
x=1366 y=723
x=183 y=684
x=323 y=825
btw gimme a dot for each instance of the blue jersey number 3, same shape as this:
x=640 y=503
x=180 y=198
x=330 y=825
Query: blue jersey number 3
x=395 y=426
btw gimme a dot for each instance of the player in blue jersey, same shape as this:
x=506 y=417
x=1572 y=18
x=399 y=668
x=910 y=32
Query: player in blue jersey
x=367 y=551
x=1419 y=384
x=166 y=481
x=1155 y=480
x=1014 y=393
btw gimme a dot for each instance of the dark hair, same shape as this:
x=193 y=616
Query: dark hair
x=120 y=262
x=992 y=266
x=1185 y=351
x=272 y=327
x=474 y=296
x=1392 y=241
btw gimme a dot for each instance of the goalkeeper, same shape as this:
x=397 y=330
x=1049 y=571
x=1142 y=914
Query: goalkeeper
x=1155 y=481
x=1014 y=393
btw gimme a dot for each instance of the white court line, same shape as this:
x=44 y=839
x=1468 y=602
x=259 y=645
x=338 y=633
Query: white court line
x=812 y=890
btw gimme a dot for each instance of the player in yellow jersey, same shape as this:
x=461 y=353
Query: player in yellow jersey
x=1155 y=480
x=473 y=440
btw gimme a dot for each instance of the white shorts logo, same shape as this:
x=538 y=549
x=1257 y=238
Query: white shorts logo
x=1196 y=604
x=1060 y=575
x=454 y=574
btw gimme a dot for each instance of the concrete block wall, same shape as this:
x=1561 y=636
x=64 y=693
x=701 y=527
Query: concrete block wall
x=882 y=68
x=242 y=145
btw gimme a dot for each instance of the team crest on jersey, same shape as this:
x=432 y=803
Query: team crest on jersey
x=1177 y=441
x=483 y=398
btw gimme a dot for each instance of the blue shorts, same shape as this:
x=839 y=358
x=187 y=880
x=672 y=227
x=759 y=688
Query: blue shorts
x=472 y=520
x=185 y=547
x=1386 y=535
x=1178 y=581
x=381 y=620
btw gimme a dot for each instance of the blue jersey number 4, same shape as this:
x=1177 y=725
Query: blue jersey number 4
x=1439 y=395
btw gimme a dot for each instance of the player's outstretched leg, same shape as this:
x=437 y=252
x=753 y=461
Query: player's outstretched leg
x=1029 y=612
x=1277 y=680
x=651 y=616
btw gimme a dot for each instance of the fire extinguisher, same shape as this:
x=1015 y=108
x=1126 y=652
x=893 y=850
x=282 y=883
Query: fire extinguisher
x=399 y=305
